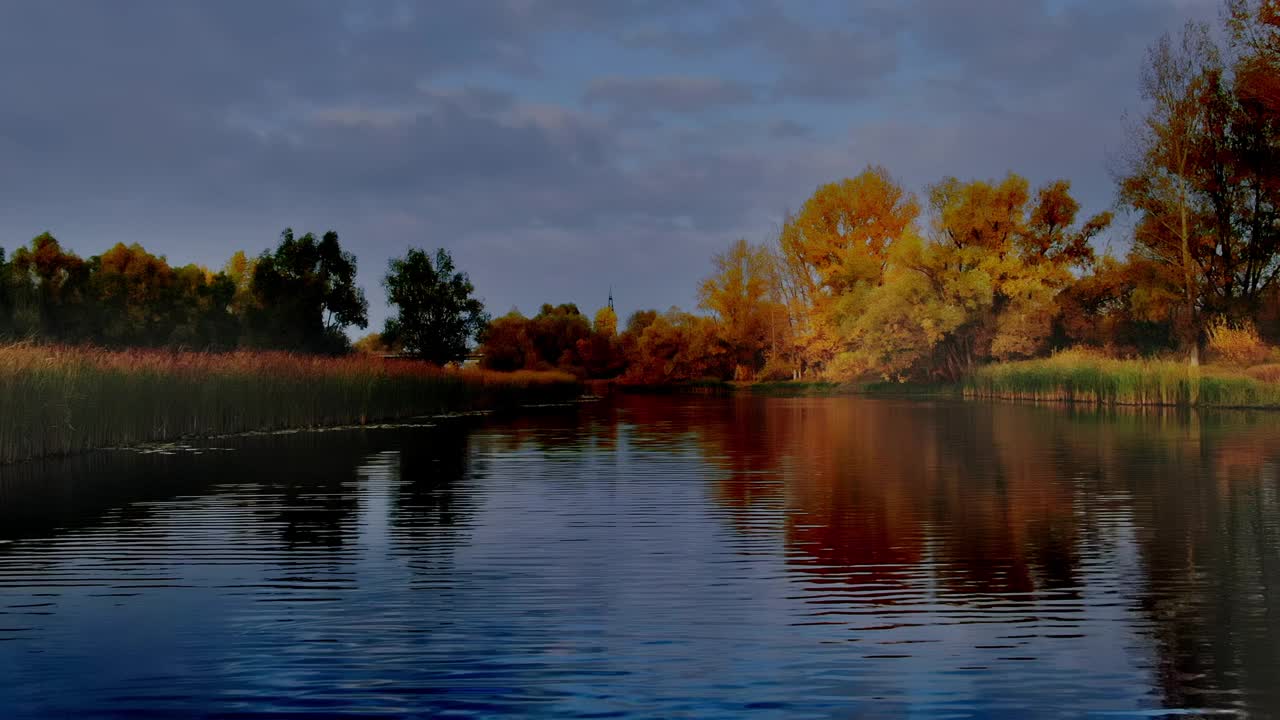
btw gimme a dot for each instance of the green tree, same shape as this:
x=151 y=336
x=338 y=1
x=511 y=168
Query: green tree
x=305 y=295
x=436 y=315
x=6 y=297
x=200 y=308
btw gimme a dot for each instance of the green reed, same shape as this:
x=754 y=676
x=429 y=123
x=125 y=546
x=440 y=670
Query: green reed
x=1076 y=376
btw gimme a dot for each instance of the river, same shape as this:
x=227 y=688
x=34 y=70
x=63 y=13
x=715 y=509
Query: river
x=659 y=557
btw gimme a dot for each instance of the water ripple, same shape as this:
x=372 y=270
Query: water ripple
x=657 y=557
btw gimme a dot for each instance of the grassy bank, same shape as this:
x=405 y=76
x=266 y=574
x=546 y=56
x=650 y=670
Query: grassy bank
x=1087 y=378
x=1070 y=376
x=56 y=400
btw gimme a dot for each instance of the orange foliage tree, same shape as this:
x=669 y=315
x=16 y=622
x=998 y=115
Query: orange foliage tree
x=835 y=249
x=1201 y=176
x=739 y=293
x=675 y=346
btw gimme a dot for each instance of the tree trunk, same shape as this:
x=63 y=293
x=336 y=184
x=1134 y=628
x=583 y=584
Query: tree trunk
x=1191 y=332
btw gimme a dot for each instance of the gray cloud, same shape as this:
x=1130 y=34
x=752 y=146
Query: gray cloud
x=786 y=129
x=671 y=93
x=829 y=59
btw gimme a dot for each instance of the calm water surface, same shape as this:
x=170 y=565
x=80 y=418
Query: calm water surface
x=659 y=557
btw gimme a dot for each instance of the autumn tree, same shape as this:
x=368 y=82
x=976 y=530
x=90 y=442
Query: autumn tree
x=738 y=293
x=555 y=332
x=1254 y=27
x=1161 y=173
x=505 y=344
x=601 y=352
x=677 y=346
x=560 y=337
x=134 y=295
x=437 y=314
x=1122 y=307
x=1255 y=33
x=239 y=271
x=371 y=344
x=1201 y=177
x=836 y=249
x=842 y=233
x=983 y=285
x=605 y=322
x=639 y=320
x=630 y=336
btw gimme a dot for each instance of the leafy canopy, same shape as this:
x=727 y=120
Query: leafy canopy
x=436 y=315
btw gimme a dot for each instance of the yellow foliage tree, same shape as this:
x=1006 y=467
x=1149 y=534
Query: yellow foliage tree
x=834 y=251
x=738 y=292
x=983 y=286
x=239 y=269
x=606 y=322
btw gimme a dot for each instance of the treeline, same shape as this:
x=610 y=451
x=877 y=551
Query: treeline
x=653 y=347
x=868 y=279
x=300 y=297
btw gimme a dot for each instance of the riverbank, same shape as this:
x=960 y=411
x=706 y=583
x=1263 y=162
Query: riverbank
x=792 y=388
x=57 y=400
x=1070 y=377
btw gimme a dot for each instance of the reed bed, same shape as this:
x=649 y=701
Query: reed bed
x=1081 y=377
x=56 y=400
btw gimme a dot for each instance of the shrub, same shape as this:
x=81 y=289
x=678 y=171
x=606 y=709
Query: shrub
x=1236 y=343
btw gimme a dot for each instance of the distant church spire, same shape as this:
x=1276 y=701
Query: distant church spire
x=610 y=297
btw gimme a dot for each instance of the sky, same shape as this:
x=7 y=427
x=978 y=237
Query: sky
x=556 y=148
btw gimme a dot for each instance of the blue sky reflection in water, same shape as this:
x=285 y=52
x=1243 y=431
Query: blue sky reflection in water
x=658 y=557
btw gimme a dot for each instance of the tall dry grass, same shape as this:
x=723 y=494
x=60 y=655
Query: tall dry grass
x=56 y=400
x=1080 y=376
x=1235 y=343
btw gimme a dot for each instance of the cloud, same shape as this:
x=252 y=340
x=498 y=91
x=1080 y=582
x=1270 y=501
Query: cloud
x=673 y=93
x=787 y=129
x=824 y=58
